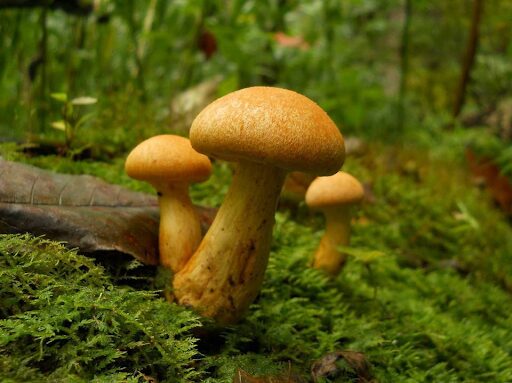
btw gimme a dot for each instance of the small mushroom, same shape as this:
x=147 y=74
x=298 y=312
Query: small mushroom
x=334 y=196
x=267 y=131
x=170 y=165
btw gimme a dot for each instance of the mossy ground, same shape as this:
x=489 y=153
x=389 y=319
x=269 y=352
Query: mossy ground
x=425 y=295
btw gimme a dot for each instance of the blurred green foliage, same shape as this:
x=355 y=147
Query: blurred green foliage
x=136 y=56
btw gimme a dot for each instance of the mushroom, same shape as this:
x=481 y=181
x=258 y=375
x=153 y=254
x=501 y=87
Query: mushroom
x=334 y=196
x=267 y=131
x=170 y=165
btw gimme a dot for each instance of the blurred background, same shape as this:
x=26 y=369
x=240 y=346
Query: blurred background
x=105 y=74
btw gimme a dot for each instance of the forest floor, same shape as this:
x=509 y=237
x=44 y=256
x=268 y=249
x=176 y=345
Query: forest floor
x=424 y=297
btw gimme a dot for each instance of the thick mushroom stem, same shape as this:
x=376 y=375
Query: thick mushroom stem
x=337 y=233
x=180 y=227
x=225 y=274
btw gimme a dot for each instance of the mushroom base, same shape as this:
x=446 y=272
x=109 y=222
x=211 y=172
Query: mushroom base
x=225 y=274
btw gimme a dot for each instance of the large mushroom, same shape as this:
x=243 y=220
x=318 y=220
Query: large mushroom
x=170 y=165
x=267 y=132
x=334 y=196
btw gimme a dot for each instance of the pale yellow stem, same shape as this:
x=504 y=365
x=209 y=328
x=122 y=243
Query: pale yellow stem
x=180 y=228
x=337 y=233
x=225 y=274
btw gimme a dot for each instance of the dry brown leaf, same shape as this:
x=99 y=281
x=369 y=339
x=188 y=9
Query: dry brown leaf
x=82 y=210
x=487 y=172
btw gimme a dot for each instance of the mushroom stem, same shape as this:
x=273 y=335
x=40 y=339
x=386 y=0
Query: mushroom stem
x=180 y=228
x=337 y=233
x=225 y=274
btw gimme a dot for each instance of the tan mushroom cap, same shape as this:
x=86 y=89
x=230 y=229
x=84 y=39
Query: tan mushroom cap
x=338 y=189
x=167 y=157
x=271 y=126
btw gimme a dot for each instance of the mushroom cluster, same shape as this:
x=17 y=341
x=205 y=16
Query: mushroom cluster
x=267 y=132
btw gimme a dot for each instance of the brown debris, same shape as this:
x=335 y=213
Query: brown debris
x=342 y=364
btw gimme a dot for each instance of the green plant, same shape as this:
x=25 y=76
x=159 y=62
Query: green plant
x=72 y=120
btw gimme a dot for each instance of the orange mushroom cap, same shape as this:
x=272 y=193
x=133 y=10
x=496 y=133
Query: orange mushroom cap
x=338 y=189
x=270 y=126
x=167 y=157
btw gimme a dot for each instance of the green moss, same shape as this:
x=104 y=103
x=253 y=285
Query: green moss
x=425 y=294
x=63 y=319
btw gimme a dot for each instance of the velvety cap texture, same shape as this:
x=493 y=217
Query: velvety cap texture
x=338 y=189
x=167 y=157
x=271 y=126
